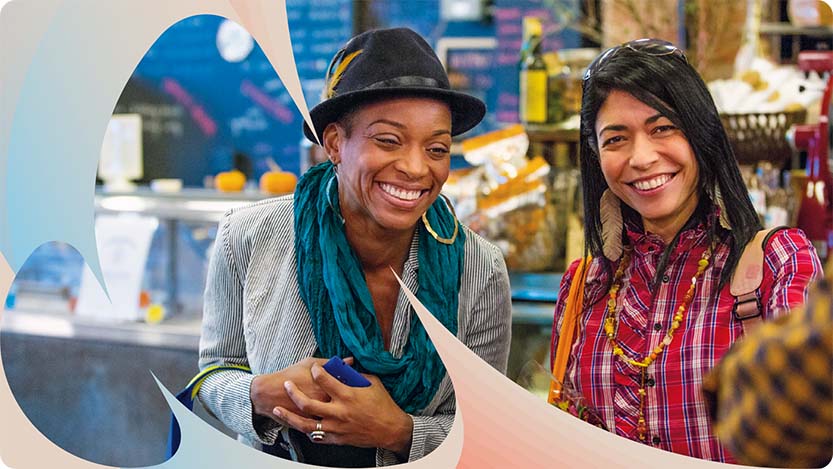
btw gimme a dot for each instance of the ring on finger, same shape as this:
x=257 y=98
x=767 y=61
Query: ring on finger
x=318 y=434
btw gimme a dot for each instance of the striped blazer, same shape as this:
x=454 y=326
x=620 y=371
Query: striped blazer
x=254 y=315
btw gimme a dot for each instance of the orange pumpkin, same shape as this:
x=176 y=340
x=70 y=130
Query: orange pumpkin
x=230 y=181
x=278 y=182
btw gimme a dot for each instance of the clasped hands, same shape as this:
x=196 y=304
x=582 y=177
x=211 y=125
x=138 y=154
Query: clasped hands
x=304 y=394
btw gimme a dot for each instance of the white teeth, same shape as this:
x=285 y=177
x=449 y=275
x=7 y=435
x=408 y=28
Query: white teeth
x=652 y=183
x=400 y=193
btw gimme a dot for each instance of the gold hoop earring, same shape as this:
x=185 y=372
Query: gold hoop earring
x=434 y=233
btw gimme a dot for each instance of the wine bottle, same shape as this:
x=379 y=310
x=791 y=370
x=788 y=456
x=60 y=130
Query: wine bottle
x=534 y=86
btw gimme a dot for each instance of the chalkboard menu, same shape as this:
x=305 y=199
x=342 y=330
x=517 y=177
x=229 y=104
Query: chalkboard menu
x=199 y=109
x=470 y=66
x=466 y=48
x=423 y=16
x=509 y=32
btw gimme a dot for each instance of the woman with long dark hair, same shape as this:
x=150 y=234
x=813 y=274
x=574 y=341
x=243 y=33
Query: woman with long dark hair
x=667 y=218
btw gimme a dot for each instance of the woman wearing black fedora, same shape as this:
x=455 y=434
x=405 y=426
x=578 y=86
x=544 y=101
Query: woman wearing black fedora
x=298 y=279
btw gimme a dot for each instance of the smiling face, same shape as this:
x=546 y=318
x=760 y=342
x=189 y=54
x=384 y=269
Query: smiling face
x=392 y=162
x=647 y=162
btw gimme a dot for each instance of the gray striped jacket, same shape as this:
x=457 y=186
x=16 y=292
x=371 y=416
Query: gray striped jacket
x=254 y=316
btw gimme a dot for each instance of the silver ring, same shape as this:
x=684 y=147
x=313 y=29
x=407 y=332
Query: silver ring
x=318 y=434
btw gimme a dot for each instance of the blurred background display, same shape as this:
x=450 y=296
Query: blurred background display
x=219 y=130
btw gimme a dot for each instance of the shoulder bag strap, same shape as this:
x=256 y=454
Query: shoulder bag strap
x=746 y=281
x=572 y=309
x=187 y=397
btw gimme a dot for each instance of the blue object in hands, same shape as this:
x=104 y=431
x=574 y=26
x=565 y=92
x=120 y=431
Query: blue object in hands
x=346 y=374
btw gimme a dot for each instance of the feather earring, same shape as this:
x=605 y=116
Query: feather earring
x=610 y=210
x=724 y=215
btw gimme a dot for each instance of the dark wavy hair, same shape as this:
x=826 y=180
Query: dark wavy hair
x=670 y=85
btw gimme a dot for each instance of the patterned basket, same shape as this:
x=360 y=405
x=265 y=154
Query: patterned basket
x=761 y=136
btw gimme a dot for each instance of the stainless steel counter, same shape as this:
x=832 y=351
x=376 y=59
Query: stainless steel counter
x=172 y=334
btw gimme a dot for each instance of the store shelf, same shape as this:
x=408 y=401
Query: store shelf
x=787 y=29
x=552 y=133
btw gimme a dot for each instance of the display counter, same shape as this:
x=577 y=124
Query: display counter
x=89 y=385
x=177 y=334
x=47 y=285
x=96 y=373
x=533 y=302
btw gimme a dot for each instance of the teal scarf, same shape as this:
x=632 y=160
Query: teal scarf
x=334 y=289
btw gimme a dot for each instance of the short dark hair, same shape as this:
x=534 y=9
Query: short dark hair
x=673 y=87
x=346 y=121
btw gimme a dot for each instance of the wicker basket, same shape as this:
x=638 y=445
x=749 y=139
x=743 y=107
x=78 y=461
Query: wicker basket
x=761 y=136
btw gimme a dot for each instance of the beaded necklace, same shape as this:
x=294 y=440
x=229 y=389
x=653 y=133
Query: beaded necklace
x=611 y=329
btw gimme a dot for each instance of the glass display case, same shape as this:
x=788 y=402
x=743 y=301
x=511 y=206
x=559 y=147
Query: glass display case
x=174 y=275
x=111 y=357
x=99 y=401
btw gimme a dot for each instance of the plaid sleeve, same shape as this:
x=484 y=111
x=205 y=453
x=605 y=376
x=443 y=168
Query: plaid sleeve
x=774 y=402
x=794 y=265
x=560 y=303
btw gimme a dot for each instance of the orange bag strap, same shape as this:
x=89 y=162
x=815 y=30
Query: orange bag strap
x=572 y=310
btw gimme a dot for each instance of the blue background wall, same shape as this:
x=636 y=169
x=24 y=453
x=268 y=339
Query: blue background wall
x=199 y=110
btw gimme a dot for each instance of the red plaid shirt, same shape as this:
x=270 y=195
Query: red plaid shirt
x=675 y=410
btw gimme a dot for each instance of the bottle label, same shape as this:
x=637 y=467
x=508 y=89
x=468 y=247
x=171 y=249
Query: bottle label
x=533 y=102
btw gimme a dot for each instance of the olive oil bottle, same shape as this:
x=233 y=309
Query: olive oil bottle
x=534 y=79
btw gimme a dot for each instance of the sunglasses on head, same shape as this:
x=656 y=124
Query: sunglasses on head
x=653 y=47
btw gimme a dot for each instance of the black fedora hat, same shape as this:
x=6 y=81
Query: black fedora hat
x=389 y=63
